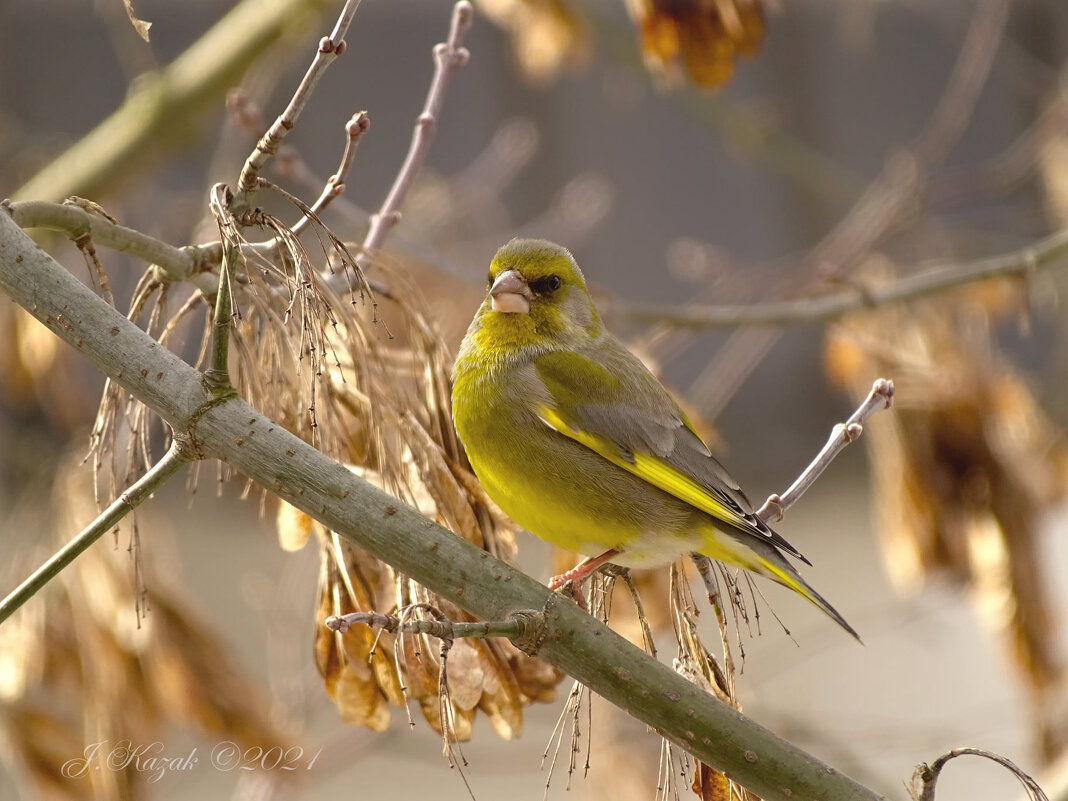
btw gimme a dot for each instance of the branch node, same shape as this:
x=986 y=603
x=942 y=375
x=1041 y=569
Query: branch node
x=359 y=124
x=532 y=631
x=774 y=507
x=186 y=446
x=883 y=388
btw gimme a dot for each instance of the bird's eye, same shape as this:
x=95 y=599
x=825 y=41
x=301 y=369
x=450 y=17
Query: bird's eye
x=547 y=283
x=489 y=280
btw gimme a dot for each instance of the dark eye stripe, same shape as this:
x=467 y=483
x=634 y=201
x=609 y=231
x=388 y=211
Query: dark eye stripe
x=549 y=283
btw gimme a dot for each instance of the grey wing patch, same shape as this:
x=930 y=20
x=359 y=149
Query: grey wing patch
x=652 y=423
x=668 y=438
x=692 y=457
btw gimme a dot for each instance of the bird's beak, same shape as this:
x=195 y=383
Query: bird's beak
x=510 y=294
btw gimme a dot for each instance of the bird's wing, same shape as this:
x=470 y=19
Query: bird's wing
x=614 y=406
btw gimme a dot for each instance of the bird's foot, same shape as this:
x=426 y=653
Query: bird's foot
x=579 y=573
x=573 y=590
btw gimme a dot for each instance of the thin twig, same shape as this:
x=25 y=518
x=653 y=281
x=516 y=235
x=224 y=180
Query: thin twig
x=648 y=642
x=179 y=264
x=449 y=56
x=966 y=82
x=335 y=184
x=1051 y=252
x=925 y=777
x=880 y=397
x=515 y=626
x=329 y=48
x=178 y=455
x=218 y=372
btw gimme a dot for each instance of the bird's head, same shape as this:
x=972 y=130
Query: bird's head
x=537 y=295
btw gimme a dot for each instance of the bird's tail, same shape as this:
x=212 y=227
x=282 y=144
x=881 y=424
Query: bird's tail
x=763 y=558
x=788 y=577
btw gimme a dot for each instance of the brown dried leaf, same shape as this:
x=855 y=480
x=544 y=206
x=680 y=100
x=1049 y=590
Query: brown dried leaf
x=465 y=676
x=965 y=471
x=537 y=680
x=294 y=527
x=701 y=39
x=420 y=667
x=547 y=35
x=501 y=700
x=327 y=659
x=344 y=661
x=385 y=671
x=448 y=496
x=139 y=25
x=460 y=725
x=710 y=785
x=359 y=702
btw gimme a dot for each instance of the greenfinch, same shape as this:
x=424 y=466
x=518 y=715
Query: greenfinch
x=573 y=437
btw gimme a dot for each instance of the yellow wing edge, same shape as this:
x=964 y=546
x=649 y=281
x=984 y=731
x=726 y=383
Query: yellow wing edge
x=649 y=468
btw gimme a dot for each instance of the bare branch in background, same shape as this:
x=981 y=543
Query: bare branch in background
x=1048 y=254
x=162 y=104
x=449 y=57
x=897 y=187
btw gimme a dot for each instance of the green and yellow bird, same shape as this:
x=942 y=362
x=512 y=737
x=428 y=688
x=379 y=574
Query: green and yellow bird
x=580 y=444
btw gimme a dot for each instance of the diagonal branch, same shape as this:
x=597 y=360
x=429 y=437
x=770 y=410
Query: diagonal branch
x=232 y=431
x=173 y=460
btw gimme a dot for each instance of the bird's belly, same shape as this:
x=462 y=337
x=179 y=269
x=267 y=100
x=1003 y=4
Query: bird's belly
x=570 y=496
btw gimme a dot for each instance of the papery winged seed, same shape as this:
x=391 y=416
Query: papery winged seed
x=294 y=527
x=360 y=703
x=464 y=676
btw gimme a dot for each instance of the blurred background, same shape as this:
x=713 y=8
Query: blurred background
x=725 y=153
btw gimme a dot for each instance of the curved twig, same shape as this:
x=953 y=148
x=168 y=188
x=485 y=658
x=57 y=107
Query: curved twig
x=925 y=777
